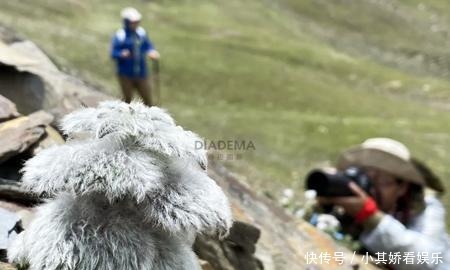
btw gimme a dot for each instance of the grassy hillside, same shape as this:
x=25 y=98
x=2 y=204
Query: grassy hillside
x=301 y=80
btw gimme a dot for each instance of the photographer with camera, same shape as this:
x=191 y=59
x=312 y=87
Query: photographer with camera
x=382 y=189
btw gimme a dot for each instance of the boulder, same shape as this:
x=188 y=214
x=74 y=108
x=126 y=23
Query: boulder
x=50 y=138
x=245 y=236
x=8 y=109
x=19 y=134
x=30 y=80
x=12 y=191
x=235 y=252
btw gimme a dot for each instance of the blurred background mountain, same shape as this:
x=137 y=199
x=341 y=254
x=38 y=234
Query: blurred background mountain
x=300 y=80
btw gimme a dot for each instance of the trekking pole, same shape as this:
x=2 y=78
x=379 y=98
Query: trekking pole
x=156 y=82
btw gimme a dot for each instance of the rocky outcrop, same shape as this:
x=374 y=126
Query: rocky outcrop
x=237 y=251
x=19 y=134
x=8 y=109
x=20 y=137
x=30 y=80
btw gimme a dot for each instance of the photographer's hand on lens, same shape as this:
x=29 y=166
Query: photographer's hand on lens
x=351 y=204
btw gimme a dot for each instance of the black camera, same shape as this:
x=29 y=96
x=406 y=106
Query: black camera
x=333 y=185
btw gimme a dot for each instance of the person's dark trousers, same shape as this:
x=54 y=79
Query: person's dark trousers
x=140 y=84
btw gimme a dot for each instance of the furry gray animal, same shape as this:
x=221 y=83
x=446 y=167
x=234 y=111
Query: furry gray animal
x=131 y=192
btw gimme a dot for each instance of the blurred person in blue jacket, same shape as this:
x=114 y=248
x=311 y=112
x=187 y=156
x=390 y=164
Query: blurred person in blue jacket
x=402 y=220
x=130 y=49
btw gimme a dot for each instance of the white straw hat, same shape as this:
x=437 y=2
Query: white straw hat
x=385 y=154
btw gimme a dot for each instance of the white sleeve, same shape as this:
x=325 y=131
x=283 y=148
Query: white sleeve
x=428 y=237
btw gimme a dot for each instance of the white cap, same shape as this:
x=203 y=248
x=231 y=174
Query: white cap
x=131 y=14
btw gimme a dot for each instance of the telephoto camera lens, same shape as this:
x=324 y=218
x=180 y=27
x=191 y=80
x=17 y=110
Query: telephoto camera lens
x=336 y=184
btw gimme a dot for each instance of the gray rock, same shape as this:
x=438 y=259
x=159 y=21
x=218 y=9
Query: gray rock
x=8 y=109
x=30 y=80
x=236 y=251
x=51 y=138
x=245 y=236
x=19 y=134
x=12 y=191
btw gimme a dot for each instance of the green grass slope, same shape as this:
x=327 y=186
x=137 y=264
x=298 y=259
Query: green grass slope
x=301 y=80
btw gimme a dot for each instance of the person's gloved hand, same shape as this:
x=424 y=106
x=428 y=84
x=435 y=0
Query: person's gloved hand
x=154 y=55
x=361 y=206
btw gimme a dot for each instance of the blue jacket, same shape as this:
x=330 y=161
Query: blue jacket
x=137 y=42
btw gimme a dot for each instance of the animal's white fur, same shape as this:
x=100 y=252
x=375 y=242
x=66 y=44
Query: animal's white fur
x=128 y=195
x=148 y=128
